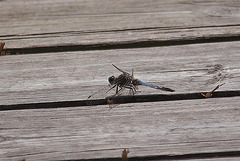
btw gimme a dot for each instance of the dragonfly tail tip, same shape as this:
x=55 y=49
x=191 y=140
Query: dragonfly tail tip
x=167 y=89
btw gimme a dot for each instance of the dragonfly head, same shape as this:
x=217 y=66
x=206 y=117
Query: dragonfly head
x=111 y=79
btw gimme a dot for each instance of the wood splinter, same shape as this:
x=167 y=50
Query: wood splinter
x=109 y=102
x=209 y=94
x=1 y=48
x=124 y=154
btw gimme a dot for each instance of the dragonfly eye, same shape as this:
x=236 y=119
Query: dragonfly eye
x=111 y=79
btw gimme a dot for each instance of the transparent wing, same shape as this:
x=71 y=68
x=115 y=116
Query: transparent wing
x=127 y=89
x=120 y=69
x=112 y=92
x=109 y=92
x=101 y=93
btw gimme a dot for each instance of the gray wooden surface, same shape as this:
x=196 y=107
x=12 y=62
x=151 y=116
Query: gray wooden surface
x=159 y=128
x=197 y=49
x=75 y=75
x=47 y=23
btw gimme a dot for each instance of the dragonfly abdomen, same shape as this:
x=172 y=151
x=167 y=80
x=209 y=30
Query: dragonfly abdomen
x=153 y=86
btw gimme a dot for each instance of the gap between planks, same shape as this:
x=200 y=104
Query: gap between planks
x=122 y=45
x=203 y=156
x=121 y=100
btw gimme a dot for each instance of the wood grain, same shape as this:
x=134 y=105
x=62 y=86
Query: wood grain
x=75 y=75
x=49 y=23
x=148 y=129
x=196 y=48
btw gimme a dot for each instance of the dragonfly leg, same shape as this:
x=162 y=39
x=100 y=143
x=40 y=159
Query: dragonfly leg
x=111 y=88
x=117 y=89
x=131 y=92
x=132 y=89
x=135 y=90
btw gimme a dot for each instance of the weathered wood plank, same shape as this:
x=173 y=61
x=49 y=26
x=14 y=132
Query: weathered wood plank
x=159 y=128
x=48 y=23
x=219 y=159
x=75 y=75
x=209 y=159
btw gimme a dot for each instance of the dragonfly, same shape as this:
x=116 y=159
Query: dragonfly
x=125 y=81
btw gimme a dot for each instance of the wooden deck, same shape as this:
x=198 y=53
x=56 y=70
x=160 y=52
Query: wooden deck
x=57 y=53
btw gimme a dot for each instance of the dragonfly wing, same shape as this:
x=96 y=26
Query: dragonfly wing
x=107 y=92
x=100 y=94
x=114 y=100
x=120 y=70
x=121 y=90
x=153 y=86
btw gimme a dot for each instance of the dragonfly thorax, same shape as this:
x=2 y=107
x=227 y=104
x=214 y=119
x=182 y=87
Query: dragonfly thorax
x=121 y=81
